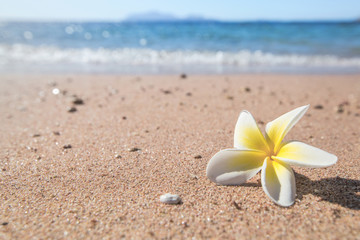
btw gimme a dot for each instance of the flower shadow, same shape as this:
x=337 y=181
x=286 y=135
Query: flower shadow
x=342 y=191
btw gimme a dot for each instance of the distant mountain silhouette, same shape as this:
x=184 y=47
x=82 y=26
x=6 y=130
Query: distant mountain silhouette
x=154 y=16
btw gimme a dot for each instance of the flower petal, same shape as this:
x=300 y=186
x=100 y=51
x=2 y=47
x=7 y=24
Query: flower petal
x=277 y=129
x=233 y=166
x=248 y=135
x=304 y=155
x=278 y=182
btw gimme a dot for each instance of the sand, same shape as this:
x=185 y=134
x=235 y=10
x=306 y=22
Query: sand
x=97 y=172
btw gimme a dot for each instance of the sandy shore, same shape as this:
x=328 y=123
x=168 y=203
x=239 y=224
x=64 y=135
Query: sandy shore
x=98 y=172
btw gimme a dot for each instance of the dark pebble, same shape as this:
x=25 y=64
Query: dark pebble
x=185 y=224
x=189 y=94
x=247 y=89
x=340 y=109
x=230 y=97
x=319 y=106
x=4 y=223
x=36 y=135
x=67 y=146
x=134 y=149
x=124 y=117
x=56 y=133
x=198 y=157
x=32 y=149
x=237 y=206
x=166 y=91
x=78 y=101
x=72 y=109
x=183 y=76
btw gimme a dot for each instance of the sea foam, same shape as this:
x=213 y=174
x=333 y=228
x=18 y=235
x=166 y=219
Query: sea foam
x=244 y=60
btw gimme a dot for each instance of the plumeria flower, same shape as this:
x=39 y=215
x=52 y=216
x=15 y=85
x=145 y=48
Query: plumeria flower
x=253 y=152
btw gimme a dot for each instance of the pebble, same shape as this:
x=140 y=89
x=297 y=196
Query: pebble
x=78 y=101
x=166 y=91
x=236 y=205
x=72 y=109
x=67 y=146
x=247 y=89
x=340 y=109
x=198 y=157
x=169 y=198
x=183 y=76
x=189 y=94
x=230 y=97
x=319 y=106
x=261 y=122
x=134 y=149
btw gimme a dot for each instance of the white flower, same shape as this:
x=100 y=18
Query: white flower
x=253 y=152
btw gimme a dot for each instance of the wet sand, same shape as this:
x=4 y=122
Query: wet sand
x=96 y=169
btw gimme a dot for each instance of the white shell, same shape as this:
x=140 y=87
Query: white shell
x=169 y=198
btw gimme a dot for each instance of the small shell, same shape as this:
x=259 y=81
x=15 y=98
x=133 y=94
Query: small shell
x=170 y=198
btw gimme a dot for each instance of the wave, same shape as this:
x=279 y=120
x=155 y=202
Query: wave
x=27 y=54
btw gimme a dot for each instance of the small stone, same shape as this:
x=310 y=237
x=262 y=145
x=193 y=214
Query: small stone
x=198 y=157
x=78 y=101
x=185 y=224
x=56 y=133
x=4 y=223
x=72 y=109
x=261 y=122
x=67 y=146
x=237 y=206
x=247 y=89
x=134 y=149
x=189 y=94
x=36 y=135
x=166 y=91
x=183 y=76
x=124 y=117
x=230 y=97
x=169 y=198
x=319 y=106
x=118 y=156
x=340 y=109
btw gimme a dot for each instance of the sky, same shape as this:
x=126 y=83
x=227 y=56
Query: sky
x=227 y=10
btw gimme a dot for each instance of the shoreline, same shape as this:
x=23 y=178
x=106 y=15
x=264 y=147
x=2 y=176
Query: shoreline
x=76 y=175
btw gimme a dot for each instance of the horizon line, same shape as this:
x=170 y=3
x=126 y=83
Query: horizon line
x=179 y=20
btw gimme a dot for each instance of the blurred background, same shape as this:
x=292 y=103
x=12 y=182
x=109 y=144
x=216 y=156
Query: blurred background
x=168 y=37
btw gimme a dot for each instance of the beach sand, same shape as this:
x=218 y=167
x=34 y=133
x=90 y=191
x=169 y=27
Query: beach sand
x=98 y=172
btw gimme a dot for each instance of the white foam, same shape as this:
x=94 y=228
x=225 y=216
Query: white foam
x=22 y=54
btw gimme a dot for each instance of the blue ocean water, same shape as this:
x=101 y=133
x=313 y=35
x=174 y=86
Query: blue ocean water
x=172 y=47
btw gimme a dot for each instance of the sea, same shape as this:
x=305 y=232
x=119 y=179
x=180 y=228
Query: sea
x=204 y=47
